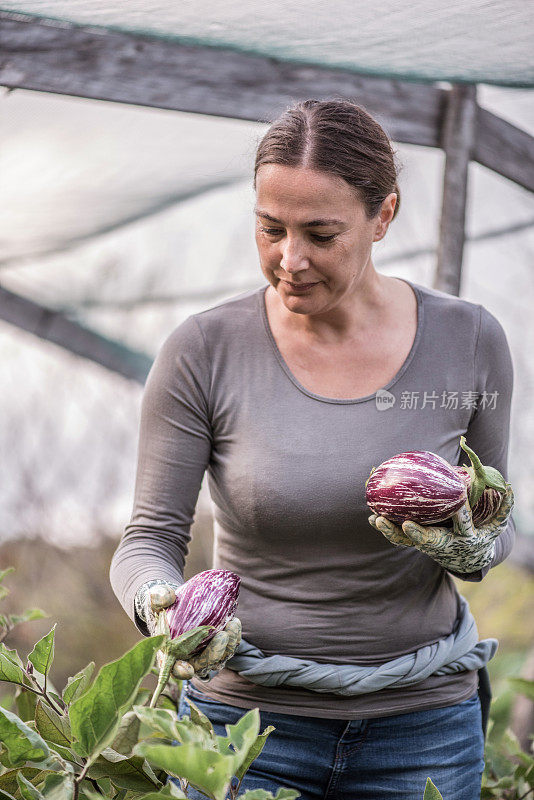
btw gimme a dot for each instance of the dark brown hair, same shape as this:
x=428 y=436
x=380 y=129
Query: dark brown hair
x=339 y=137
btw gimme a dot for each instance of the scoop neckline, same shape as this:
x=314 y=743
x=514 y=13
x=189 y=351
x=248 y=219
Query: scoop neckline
x=345 y=400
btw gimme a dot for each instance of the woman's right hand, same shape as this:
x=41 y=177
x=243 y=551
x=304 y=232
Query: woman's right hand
x=153 y=597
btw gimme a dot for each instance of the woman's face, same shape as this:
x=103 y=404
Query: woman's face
x=313 y=237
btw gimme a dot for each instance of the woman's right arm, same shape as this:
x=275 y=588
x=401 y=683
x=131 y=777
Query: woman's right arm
x=174 y=449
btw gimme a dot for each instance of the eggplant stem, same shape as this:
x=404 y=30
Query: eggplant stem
x=475 y=460
x=164 y=675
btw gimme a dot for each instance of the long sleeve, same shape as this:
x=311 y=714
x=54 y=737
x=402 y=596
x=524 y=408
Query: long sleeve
x=173 y=454
x=489 y=428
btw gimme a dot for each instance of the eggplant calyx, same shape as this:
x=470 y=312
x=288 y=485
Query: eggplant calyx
x=481 y=476
x=369 y=478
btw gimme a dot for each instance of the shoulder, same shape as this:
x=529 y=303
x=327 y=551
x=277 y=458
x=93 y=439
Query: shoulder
x=447 y=305
x=236 y=313
x=200 y=330
x=475 y=329
x=453 y=311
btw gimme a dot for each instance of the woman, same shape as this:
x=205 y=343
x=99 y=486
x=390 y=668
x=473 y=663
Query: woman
x=279 y=395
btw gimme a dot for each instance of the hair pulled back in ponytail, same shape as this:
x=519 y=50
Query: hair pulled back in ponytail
x=339 y=137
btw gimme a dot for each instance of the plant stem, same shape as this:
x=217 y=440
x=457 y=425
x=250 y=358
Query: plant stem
x=164 y=675
x=42 y=693
x=49 y=700
x=79 y=778
x=526 y=794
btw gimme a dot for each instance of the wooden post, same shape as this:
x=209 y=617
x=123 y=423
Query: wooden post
x=458 y=136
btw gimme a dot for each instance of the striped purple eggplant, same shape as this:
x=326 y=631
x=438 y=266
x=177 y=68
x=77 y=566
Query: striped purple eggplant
x=418 y=486
x=486 y=487
x=209 y=598
x=488 y=503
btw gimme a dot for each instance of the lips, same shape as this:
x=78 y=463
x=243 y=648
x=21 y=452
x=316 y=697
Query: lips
x=300 y=286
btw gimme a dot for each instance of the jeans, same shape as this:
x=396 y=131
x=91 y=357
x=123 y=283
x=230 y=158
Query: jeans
x=361 y=759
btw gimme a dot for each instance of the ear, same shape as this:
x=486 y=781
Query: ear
x=384 y=216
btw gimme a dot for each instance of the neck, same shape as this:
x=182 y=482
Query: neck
x=351 y=317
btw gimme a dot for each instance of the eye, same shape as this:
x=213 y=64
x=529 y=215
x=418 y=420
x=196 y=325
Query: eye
x=271 y=231
x=319 y=238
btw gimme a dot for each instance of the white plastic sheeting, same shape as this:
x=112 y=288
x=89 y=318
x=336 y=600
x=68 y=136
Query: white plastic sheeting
x=71 y=168
x=68 y=427
x=482 y=41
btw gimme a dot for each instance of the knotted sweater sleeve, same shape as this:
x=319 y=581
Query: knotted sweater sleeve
x=173 y=453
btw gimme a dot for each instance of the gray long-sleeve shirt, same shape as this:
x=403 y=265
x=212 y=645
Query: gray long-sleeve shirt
x=287 y=471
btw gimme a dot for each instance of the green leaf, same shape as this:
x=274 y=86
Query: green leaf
x=66 y=753
x=184 y=645
x=58 y=786
x=11 y=669
x=7 y=796
x=8 y=781
x=431 y=792
x=96 y=715
x=77 y=685
x=27 y=789
x=30 y=615
x=142 y=697
x=254 y=751
x=104 y=784
x=158 y=719
x=164 y=701
x=131 y=773
x=42 y=654
x=52 y=726
x=199 y=718
x=206 y=770
x=243 y=736
x=499 y=716
x=5 y=572
x=128 y=734
x=523 y=686
x=26 y=703
x=21 y=742
x=169 y=792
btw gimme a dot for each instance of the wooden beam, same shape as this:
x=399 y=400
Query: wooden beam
x=54 y=327
x=49 y=56
x=505 y=149
x=458 y=136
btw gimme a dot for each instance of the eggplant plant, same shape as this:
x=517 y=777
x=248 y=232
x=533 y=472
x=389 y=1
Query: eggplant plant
x=99 y=739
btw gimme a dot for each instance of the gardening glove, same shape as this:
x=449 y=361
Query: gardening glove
x=154 y=596
x=462 y=548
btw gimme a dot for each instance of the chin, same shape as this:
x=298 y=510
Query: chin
x=300 y=305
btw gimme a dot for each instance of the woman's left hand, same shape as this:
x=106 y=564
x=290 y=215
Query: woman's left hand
x=213 y=657
x=462 y=548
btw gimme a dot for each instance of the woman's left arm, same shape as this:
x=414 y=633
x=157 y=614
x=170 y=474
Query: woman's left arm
x=488 y=432
x=465 y=551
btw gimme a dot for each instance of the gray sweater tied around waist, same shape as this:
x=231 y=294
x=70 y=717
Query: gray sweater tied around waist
x=460 y=651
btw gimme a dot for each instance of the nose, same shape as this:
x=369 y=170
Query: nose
x=293 y=259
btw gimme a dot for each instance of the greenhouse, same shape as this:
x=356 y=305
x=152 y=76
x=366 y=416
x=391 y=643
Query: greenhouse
x=127 y=143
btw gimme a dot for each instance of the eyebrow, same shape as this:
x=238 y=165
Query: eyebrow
x=312 y=224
